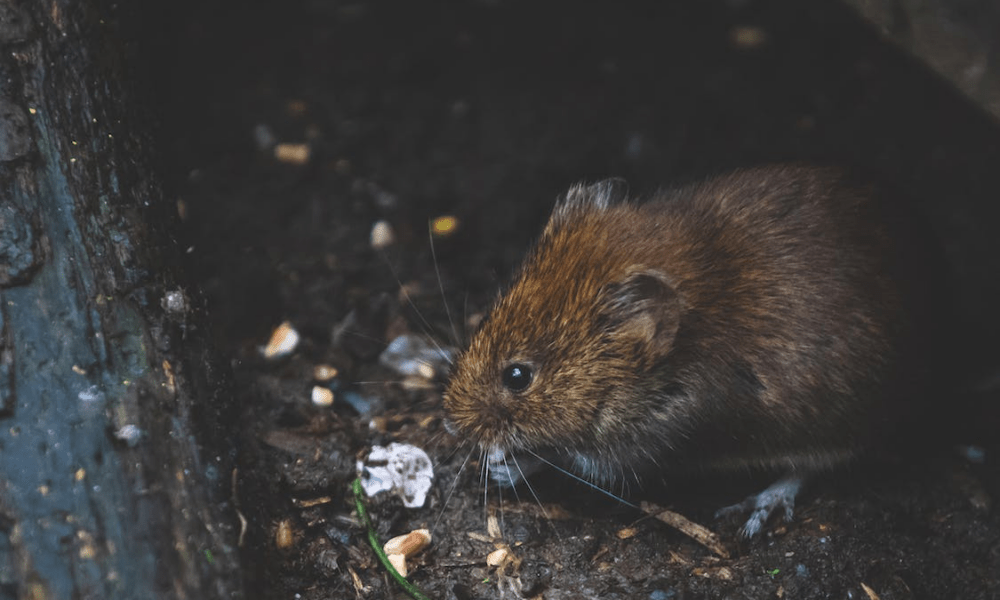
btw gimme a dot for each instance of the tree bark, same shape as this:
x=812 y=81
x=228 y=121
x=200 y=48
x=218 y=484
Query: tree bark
x=960 y=39
x=115 y=459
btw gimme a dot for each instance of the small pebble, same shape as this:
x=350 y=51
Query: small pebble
x=364 y=405
x=382 y=235
x=412 y=355
x=264 y=137
x=974 y=454
x=174 y=302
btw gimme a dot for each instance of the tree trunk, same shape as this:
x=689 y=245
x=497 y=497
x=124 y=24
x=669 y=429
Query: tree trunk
x=114 y=459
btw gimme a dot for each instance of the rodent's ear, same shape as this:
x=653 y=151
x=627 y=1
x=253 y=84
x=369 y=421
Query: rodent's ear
x=643 y=306
x=595 y=196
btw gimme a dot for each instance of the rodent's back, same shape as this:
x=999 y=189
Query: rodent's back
x=749 y=320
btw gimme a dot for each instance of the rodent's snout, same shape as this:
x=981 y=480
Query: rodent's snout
x=485 y=425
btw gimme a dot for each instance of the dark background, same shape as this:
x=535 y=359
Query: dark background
x=487 y=110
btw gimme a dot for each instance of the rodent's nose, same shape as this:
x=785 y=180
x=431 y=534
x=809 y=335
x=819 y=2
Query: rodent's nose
x=497 y=415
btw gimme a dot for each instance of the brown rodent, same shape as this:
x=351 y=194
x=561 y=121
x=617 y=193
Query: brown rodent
x=758 y=320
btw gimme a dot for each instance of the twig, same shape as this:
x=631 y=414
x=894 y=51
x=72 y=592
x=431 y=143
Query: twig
x=696 y=532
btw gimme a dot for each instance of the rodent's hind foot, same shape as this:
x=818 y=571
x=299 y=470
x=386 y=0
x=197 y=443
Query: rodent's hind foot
x=780 y=494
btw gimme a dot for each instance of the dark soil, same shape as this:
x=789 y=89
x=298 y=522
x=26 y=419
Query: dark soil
x=486 y=111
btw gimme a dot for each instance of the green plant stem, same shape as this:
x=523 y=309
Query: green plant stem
x=359 y=504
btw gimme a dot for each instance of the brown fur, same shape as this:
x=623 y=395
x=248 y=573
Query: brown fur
x=753 y=320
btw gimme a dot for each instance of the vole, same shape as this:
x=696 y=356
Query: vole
x=765 y=319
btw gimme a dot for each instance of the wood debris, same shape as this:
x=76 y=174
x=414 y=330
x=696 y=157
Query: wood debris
x=696 y=532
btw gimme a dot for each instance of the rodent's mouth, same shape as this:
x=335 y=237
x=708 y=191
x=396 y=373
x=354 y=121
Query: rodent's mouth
x=508 y=469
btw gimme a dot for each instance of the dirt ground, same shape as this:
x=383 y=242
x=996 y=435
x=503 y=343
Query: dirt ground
x=486 y=110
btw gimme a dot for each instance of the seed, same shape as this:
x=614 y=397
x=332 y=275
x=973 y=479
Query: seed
x=408 y=544
x=283 y=340
x=399 y=563
x=497 y=557
x=324 y=373
x=284 y=536
x=322 y=396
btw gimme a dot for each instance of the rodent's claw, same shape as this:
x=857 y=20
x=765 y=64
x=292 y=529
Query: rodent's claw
x=780 y=494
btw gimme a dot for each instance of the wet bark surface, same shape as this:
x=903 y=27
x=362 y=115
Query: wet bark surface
x=485 y=111
x=114 y=462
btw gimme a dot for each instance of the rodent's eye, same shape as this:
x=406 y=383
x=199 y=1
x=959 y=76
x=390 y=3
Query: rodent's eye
x=517 y=377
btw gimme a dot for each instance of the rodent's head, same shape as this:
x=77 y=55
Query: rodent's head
x=564 y=358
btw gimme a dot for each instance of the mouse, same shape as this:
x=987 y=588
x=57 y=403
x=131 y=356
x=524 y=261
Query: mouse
x=769 y=319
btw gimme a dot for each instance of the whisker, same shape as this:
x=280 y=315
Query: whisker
x=454 y=486
x=584 y=481
x=465 y=316
x=531 y=490
x=428 y=329
x=444 y=299
x=514 y=487
x=436 y=441
x=484 y=479
x=363 y=336
x=482 y=465
x=500 y=501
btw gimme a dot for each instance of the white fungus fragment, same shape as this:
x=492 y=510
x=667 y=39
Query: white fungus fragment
x=402 y=469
